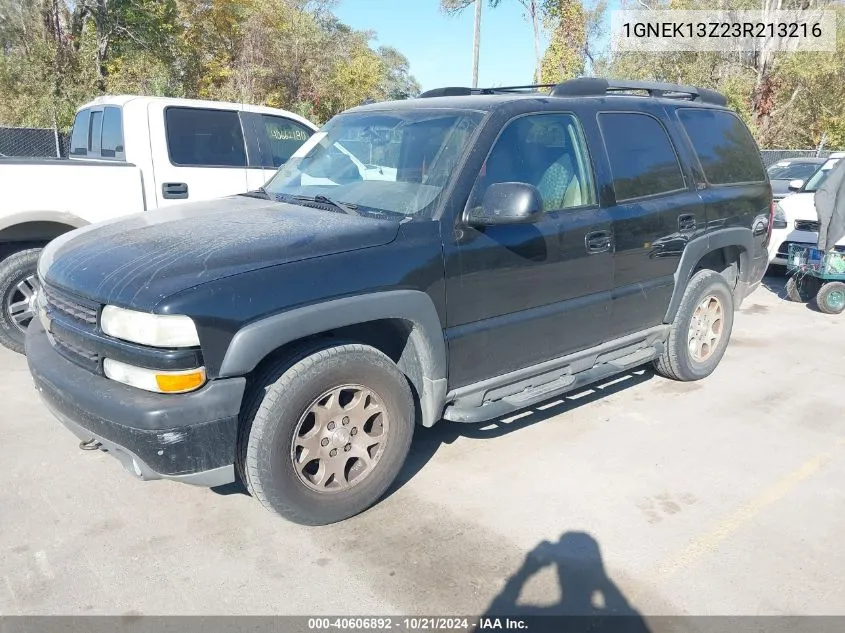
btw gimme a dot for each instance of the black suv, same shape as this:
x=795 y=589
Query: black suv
x=459 y=256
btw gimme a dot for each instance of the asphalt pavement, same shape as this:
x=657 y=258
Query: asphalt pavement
x=640 y=495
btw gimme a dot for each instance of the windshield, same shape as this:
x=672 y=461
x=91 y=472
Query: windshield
x=819 y=177
x=380 y=162
x=791 y=171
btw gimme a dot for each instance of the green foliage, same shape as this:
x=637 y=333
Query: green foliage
x=292 y=54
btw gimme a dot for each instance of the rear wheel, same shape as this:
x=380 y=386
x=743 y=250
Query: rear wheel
x=831 y=298
x=802 y=288
x=701 y=330
x=18 y=288
x=325 y=438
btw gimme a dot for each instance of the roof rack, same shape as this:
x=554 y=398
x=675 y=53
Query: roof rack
x=456 y=91
x=593 y=87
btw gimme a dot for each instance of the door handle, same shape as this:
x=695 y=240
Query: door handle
x=597 y=242
x=686 y=223
x=174 y=190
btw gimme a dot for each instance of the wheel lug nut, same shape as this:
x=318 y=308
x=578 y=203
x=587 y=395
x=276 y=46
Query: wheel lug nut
x=331 y=426
x=347 y=448
x=324 y=441
x=345 y=420
x=333 y=452
x=354 y=431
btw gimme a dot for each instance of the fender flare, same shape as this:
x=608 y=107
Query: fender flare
x=252 y=343
x=697 y=248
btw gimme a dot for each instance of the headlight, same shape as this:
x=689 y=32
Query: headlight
x=155 y=330
x=154 y=379
x=779 y=220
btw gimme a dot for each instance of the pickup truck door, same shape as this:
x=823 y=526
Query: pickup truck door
x=198 y=153
x=521 y=294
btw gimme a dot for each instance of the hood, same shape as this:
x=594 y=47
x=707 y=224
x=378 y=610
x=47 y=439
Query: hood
x=799 y=206
x=139 y=260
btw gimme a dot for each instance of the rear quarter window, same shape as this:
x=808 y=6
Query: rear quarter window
x=724 y=146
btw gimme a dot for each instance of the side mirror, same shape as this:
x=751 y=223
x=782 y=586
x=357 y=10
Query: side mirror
x=507 y=203
x=795 y=185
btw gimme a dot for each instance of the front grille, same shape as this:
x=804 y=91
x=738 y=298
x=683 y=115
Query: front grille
x=806 y=225
x=86 y=358
x=76 y=309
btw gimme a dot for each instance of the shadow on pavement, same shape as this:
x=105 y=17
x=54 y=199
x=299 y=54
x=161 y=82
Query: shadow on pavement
x=589 y=599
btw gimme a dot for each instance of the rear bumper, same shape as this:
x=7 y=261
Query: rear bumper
x=188 y=437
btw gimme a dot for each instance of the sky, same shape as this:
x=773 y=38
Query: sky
x=439 y=47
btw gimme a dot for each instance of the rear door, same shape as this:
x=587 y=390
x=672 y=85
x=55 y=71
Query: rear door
x=656 y=210
x=198 y=153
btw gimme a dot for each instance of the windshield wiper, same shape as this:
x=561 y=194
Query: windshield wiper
x=349 y=209
x=261 y=192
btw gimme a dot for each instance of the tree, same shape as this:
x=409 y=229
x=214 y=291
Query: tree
x=397 y=82
x=574 y=30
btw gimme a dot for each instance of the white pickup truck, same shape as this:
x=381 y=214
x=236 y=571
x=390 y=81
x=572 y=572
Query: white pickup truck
x=129 y=154
x=796 y=220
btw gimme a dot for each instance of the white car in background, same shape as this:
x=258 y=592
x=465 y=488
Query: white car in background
x=796 y=220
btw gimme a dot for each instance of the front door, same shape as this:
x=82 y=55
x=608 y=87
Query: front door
x=518 y=295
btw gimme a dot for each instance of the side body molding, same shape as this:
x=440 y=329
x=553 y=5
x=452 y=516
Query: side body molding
x=424 y=363
x=695 y=249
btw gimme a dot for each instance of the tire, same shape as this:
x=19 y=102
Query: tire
x=831 y=298
x=802 y=288
x=678 y=361
x=18 y=276
x=271 y=431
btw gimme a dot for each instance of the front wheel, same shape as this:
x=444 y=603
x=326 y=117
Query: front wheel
x=18 y=289
x=831 y=298
x=323 y=439
x=701 y=330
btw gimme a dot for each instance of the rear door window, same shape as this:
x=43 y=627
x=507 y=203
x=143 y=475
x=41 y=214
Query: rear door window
x=204 y=138
x=725 y=148
x=280 y=138
x=112 y=143
x=642 y=158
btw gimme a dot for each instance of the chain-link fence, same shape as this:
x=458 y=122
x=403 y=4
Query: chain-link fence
x=771 y=156
x=32 y=142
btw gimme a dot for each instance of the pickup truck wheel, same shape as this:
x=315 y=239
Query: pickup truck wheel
x=18 y=288
x=329 y=434
x=701 y=330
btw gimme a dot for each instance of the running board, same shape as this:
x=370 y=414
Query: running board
x=564 y=384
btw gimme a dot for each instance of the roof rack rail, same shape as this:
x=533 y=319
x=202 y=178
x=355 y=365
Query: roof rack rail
x=594 y=86
x=456 y=91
